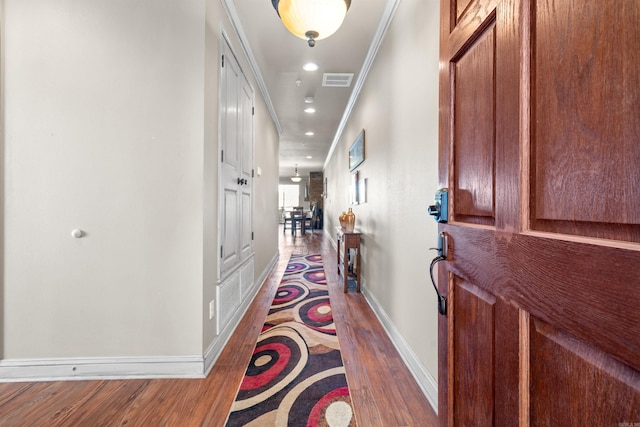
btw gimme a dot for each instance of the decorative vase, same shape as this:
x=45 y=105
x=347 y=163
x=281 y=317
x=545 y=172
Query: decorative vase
x=343 y=219
x=351 y=221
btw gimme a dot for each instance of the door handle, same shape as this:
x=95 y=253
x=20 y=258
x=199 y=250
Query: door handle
x=442 y=255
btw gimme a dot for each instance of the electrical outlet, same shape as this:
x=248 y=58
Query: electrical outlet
x=212 y=309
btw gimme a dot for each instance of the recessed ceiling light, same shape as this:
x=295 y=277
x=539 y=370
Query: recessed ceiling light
x=309 y=133
x=309 y=157
x=310 y=67
x=309 y=110
x=308 y=99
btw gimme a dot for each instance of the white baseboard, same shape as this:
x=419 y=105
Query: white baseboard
x=425 y=380
x=90 y=368
x=117 y=368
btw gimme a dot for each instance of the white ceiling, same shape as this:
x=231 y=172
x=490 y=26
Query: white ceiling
x=277 y=57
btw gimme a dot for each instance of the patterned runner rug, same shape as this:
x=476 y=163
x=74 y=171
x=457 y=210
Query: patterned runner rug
x=296 y=376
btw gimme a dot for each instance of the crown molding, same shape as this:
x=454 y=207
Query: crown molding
x=383 y=26
x=232 y=14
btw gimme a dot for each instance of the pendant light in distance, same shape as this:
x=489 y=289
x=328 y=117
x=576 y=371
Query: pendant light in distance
x=296 y=177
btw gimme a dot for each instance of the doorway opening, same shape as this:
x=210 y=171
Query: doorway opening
x=289 y=195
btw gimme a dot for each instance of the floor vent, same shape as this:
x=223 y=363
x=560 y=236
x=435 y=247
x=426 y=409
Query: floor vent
x=337 y=79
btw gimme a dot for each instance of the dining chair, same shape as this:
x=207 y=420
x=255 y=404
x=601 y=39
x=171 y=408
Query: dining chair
x=297 y=220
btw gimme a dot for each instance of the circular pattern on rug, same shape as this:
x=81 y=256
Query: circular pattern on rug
x=315 y=312
x=333 y=408
x=322 y=399
x=314 y=258
x=268 y=361
x=316 y=276
x=289 y=294
x=296 y=267
x=280 y=355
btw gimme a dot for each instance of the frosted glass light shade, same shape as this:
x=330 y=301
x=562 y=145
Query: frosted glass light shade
x=321 y=16
x=296 y=177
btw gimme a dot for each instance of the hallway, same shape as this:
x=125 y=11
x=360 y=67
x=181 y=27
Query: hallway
x=383 y=391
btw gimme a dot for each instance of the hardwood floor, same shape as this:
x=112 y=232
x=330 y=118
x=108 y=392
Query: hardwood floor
x=383 y=391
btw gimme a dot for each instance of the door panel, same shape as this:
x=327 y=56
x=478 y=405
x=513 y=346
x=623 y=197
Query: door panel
x=246 y=140
x=474 y=146
x=461 y=6
x=473 y=353
x=230 y=220
x=539 y=108
x=246 y=143
x=579 y=144
x=246 y=246
x=598 y=393
x=230 y=165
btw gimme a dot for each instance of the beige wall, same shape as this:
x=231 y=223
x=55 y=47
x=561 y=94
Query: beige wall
x=265 y=154
x=265 y=190
x=398 y=108
x=110 y=112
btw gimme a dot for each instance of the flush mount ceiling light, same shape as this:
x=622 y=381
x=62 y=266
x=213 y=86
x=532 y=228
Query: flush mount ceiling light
x=308 y=99
x=312 y=20
x=309 y=133
x=310 y=110
x=310 y=66
x=296 y=177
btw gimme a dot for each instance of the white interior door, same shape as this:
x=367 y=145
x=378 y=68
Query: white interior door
x=236 y=159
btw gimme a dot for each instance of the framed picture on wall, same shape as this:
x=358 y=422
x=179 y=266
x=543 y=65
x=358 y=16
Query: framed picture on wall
x=355 y=191
x=356 y=152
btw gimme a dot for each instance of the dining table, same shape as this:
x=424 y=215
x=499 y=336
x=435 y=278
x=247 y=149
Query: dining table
x=297 y=215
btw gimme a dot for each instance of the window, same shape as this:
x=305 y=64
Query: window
x=289 y=196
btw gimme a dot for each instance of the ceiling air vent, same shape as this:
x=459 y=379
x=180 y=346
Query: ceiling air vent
x=337 y=79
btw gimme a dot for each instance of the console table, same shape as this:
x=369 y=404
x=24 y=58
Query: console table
x=348 y=240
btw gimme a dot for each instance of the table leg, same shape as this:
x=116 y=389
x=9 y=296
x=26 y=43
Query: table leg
x=345 y=267
x=358 y=272
x=338 y=240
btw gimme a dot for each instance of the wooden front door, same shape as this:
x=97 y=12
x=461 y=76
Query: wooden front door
x=540 y=151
